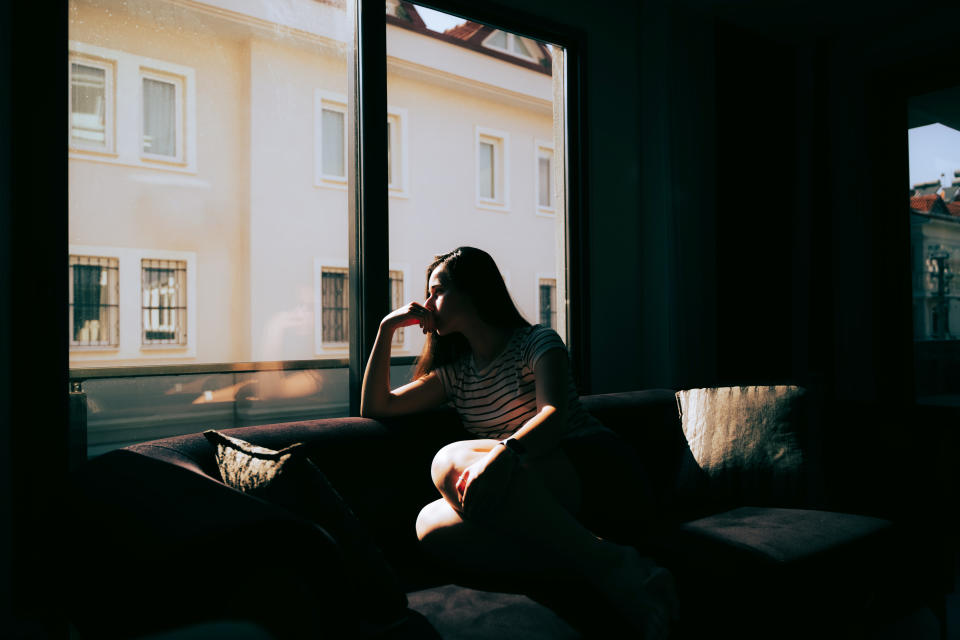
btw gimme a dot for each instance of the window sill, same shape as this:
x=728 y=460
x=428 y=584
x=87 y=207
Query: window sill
x=339 y=185
x=546 y=213
x=493 y=206
x=115 y=159
x=166 y=348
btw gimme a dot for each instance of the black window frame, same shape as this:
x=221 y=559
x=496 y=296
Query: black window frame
x=367 y=182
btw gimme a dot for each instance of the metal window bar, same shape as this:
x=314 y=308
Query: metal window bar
x=94 y=296
x=396 y=299
x=548 y=306
x=164 y=309
x=335 y=306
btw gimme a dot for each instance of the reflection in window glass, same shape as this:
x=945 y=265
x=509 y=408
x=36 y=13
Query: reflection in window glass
x=476 y=135
x=934 y=150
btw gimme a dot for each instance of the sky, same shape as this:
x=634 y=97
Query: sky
x=438 y=21
x=934 y=150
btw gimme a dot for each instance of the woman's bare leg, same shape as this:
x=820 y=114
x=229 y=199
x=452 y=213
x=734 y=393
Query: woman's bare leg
x=533 y=529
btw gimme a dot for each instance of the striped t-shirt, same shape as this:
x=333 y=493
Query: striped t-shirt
x=498 y=399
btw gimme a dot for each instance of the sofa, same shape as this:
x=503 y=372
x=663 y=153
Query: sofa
x=755 y=545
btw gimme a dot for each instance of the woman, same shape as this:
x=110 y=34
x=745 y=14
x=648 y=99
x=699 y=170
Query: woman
x=511 y=497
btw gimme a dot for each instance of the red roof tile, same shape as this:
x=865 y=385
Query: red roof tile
x=953 y=208
x=464 y=31
x=923 y=204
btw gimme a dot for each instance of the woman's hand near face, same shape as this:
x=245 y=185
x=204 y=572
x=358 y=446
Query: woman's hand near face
x=409 y=315
x=482 y=485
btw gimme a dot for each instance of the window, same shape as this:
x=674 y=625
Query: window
x=162 y=120
x=396 y=151
x=94 y=302
x=544 y=173
x=335 y=320
x=510 y=43
x=396 y=299
x=164 y=288
x=331 y=140
x=548 y=302
x=934 y=163
x=131 y=110
x=91 y=104
x=493 y=170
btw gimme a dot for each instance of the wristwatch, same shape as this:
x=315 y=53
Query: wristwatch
x=516 y=447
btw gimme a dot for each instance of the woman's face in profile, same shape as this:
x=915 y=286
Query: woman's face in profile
x=449 y=306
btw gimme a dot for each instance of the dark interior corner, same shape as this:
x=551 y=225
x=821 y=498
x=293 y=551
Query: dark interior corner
x=747 y=225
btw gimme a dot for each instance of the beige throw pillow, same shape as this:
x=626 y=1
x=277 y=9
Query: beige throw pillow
x=744 y=445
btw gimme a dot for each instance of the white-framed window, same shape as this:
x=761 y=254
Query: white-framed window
x=543 y=171
x=511 y=43
x=331 y=305
x=92 y=95
x=493 y=169
x=151 y=319
x=397 y=151
x=330 y=139
x=164 y=302
x=94 y=302
x=161 y=116
x=547 y=302
x=131 y=110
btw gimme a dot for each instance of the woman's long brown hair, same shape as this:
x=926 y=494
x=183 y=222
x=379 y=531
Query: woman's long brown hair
x=473 y=272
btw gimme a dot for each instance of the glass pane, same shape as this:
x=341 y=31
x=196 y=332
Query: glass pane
x=242 y=223
x=543 y=165
x=470 y=146
x=333 y=149
x=520 y=48
x=498 y=39
x=486 y=164
x=159 y=117
x=934 y=150
x=88 y=98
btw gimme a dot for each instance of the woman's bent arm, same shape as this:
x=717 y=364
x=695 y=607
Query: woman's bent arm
x=376 y=398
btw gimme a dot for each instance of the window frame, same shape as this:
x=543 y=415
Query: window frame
x=501 y=170
x=110 y=98
x=539 y=146
x=399 y=162
x=331 y=102
x=80 y=347
x=321 y=348
x=179 y=84
x=539 y=280
x=181 y=343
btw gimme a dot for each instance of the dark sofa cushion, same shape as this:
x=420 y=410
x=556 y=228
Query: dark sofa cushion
x=289 y=479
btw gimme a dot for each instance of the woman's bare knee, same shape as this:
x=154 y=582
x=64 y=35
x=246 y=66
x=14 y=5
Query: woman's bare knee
x=450 y=461
x=435 y=519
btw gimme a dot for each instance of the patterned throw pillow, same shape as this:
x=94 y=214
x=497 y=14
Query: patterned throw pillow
x=288 y=478
x=744 y=445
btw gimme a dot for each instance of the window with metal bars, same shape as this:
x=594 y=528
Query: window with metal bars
x=548 y=303
x=396 y=299
x=94 y=301
x=164 y=289
x=335 y=321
